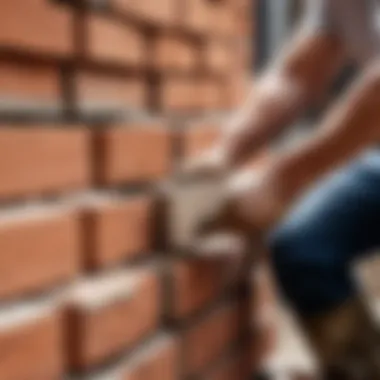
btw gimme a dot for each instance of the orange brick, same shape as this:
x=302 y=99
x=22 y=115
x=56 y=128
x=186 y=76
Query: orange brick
x=38 y=252
x=157 y=359
x=112 y=313
x=218 y=57
x=238 y=366
x=119 y=230
x=196 y=283
x=209 y=94
x=43 y=160
x=174 y=53
x=178 y=94
x=197 y=15
x=29 y=83
x=198 y=137
x=205 y=342
x=111 y=41
x=103 y=90
x=159 y=11
x=137 y=153
x=36 y=26
x=224 y=21
x=31 y=339
x=191 y=94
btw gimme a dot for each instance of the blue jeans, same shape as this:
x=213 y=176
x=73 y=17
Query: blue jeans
x=331 y=227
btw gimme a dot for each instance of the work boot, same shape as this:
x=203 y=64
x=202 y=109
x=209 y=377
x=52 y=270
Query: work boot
x=346 y=342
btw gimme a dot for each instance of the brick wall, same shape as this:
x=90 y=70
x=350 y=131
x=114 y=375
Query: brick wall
x=98 y=101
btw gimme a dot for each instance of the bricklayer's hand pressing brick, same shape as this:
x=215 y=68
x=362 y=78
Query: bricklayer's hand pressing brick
x=297 y=79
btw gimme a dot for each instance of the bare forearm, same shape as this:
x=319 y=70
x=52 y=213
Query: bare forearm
x=300 y=75
x=350 y=128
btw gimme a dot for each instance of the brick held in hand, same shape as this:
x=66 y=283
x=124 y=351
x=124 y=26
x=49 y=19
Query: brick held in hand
x=43 y=160
x=134 y=154
x=39 y=250
x=112 y=313
x=37 y=26
x=188 y=204
x=32 y=341
x=119 y=230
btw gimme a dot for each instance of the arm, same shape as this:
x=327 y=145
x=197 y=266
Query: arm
x=351 y=127
x=298 y=77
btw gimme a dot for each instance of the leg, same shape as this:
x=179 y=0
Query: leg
x=313 y=251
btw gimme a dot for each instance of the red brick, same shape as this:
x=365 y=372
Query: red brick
x=119 y=230
x=198 y=137
x=31 y=340
x=137 y=153
x=38 y=251
x=36 y=26
x=197 y=15
x=211 y=18
x=158 y=361
x=196 y=283
x=209 y=94
x=101 y=90
x=29 y=83
x=111 y=41
x=218 y=57
x=236 y=367
x=206 y=342
x=112 y=313
x=178 y=94
x=174 y=53
x=224 y=21
x=191 y=94
x=41 y=160
x=159 y=11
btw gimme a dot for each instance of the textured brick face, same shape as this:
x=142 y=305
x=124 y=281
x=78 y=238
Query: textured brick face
x=38 y=253
x=162 y=11
x=159 y=361
x=196 y=284
x=22 y=83
x=119 y=230
x=206 y=341
x=42 y=160
x=36 y=26
x=133 y=154
x=171 y=53
x=33 y=349
x=98 y=90
x=114 y=42
x=103 y=329
x=100 y=100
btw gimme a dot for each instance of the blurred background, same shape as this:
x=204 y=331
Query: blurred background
x=99 y=101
